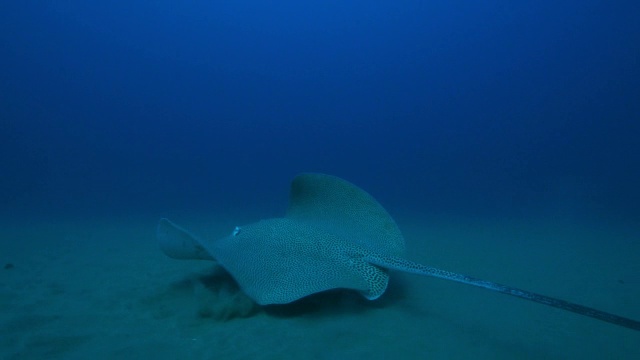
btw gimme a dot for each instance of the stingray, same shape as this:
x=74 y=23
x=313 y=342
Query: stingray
x=334 y=235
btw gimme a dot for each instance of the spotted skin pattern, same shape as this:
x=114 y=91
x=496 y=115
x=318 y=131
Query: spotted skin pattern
x=280 y=260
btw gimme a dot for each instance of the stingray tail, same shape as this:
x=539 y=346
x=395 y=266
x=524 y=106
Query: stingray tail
x=411 y=267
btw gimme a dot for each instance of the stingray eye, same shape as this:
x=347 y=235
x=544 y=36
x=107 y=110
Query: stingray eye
x=236 y=231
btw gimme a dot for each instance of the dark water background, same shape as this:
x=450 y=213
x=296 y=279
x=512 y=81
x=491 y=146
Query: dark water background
x=482 y=109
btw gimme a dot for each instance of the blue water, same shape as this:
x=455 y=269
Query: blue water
x=448 y=106
x=456 y=109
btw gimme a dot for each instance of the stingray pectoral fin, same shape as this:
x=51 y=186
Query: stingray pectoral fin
x=278 y=261
x=375 y=277
x=415 y=268
x=178 y=243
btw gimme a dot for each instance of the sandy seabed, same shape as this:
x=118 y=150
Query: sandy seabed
x=101 y=289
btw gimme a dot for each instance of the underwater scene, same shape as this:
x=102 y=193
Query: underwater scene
x=319 y=180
